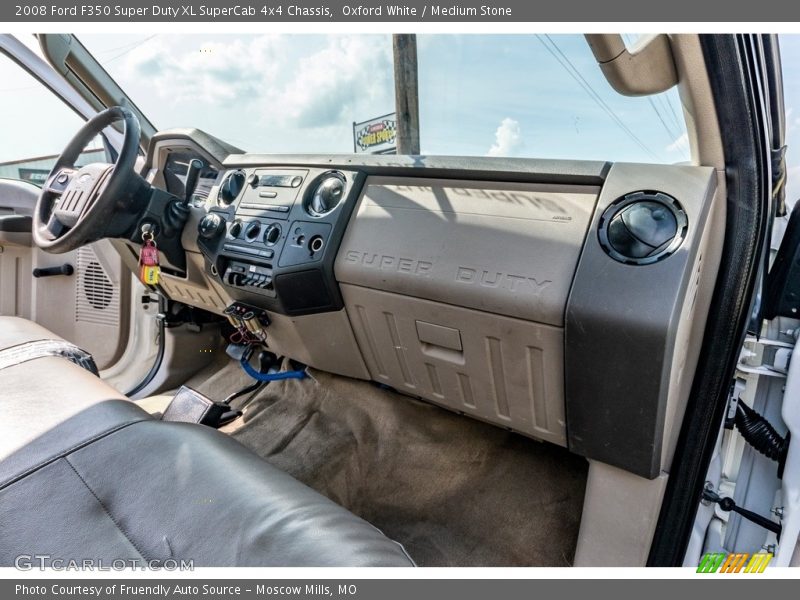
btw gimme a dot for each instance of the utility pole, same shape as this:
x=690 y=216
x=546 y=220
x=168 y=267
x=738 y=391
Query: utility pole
x=406 y=92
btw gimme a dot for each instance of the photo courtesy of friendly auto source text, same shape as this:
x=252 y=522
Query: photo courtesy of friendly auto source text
x=327 y=299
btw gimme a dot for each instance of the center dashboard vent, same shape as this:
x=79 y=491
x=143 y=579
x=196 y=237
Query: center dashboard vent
x=230 y=188
x=328 y=193
x=642 y=228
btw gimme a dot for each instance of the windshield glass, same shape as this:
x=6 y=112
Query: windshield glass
x=537 y=96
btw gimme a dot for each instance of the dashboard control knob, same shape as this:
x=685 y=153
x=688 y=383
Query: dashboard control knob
x=254 y=180
x=252 y=230
x=273 y=234
x=211 y=226
x=327 y=195
x=236 y=229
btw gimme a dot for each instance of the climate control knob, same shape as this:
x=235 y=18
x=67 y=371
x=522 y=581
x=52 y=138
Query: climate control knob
x=211 y=226
x=272 y=234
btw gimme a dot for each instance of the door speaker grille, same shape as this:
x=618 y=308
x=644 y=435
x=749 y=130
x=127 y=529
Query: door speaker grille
x=97 y=298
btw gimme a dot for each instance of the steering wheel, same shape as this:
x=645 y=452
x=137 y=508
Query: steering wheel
x=76 y=205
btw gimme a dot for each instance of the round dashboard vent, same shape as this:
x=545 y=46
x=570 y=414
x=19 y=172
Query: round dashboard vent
x=230 y=188
x=327 y=194
x=642 y=228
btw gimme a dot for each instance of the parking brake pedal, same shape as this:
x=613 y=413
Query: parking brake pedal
x=190 y=406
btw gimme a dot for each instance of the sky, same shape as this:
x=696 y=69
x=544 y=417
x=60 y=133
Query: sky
x=495 y=95
x=480 y=95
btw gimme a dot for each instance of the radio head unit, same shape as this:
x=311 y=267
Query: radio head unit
x=266 y=239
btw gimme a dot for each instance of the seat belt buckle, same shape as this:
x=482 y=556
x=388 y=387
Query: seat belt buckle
x=190 y=406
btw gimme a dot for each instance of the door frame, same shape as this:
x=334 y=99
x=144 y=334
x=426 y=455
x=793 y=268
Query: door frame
x=738 y=73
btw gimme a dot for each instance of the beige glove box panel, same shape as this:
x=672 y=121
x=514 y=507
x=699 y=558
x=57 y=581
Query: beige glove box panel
x=456 y=291
x=503 y=248
x=498 y=369
x=427 y=268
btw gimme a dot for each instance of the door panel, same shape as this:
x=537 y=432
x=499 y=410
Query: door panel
x=16 y=206
x=89 y=308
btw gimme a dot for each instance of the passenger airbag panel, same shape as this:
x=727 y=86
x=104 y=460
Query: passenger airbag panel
x=504 y=248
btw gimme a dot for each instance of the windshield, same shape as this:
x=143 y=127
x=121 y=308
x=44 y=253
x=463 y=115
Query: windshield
x=537 y=96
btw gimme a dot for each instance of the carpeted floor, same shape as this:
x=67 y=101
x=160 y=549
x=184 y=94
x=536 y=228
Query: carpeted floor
x=452 y=490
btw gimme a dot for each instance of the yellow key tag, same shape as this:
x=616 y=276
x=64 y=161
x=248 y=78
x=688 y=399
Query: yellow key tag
x=150 y=274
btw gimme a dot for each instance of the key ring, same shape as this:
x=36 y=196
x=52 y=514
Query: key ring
x=147 y=232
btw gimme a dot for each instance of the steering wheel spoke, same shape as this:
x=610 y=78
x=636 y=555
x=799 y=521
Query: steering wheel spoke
x=54 y=227
x=59 y=180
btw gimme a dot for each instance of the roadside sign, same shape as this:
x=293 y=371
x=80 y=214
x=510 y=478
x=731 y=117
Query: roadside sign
x=37 y=176
x=376 y=136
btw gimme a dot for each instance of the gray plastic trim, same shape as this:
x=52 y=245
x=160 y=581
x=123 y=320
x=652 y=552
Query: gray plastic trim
x=450 y=167
x=215 y=147
x=621 y=326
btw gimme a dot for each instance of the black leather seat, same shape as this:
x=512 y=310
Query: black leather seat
x=85 y=473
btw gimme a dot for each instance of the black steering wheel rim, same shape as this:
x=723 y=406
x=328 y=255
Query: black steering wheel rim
x=76 y=205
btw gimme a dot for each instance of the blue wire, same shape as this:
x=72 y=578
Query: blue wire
x=248 y=368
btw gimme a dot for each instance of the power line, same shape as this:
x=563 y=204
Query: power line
x=680 y=122
x=117 y=48
x=680 y=131
x=667 y=108
x=670 y=133
x=666 y=105
x=131 y=49
x=566 y=63
x=665 y=102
